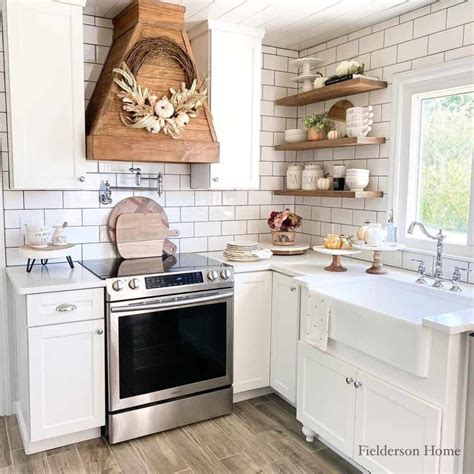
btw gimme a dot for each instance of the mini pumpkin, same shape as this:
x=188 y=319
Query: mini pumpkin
x=324 y=183
x=164 y=108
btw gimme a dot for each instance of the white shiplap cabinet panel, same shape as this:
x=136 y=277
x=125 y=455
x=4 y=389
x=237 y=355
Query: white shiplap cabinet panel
x=66 y=378
x=252 y=324
x=230 y=56
x=285 y=326
x=45 y=94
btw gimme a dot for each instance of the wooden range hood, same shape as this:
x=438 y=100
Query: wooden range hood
x=107 y=137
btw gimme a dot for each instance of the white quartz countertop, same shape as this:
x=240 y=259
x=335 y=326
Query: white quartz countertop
x=52 y=277
x=308 y=271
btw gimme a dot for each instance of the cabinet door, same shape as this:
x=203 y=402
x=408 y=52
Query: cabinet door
x=388 y=416
x=239 y=49
x=285 y=318
x=45 y=93
x=67 y=378
x=326 y=400
x=252 y=323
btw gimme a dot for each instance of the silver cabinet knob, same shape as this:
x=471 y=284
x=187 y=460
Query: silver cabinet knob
x=212 y=276
x=357 y=384
x=134 y=283
x=215 y=179
x=99 y=332
x=292 y=288
x=117 y=285
x=82 y=178
x=349 y=380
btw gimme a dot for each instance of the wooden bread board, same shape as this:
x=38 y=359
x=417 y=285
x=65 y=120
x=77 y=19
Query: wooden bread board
x=141 y=235
x=139 y=204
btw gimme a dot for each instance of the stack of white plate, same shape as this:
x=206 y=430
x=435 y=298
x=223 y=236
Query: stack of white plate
x=241 y=251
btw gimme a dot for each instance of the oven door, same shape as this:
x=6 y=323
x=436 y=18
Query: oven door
x=162 y=348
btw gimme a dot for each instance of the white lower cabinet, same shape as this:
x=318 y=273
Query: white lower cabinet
x=60 y=352
x=285 y=328
x=67 y=378
x=326 y=397
x=359 y=414
x=388 y=416
x=252 y=325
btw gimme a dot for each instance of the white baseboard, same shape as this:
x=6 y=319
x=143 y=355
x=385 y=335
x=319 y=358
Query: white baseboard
x=51 y=443
x=258 y=392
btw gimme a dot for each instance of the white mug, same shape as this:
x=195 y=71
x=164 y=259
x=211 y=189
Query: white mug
x=358 y=131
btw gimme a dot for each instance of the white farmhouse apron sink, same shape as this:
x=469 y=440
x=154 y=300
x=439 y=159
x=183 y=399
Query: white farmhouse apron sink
x=384 y=318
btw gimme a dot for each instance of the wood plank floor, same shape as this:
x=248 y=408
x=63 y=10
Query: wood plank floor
x=261 y=435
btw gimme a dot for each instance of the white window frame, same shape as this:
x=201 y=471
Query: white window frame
x=404 y=150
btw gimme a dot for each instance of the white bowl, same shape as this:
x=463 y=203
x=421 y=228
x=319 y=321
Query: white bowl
x=359 y=123
x=358 y=131
x=295 y=135
x=357 y=172
x=38 y=236
x=357 y=183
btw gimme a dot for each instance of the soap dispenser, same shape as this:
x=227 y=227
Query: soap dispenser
x=392 y=229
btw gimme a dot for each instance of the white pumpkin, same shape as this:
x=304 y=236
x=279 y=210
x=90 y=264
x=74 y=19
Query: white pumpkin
x=362 y=232
x=319 y=82
x=324 y=184
x=164 y=108
x=182 y=119
x=342 y=68
x=352 y=66
x=334 y=135
x=155 y=127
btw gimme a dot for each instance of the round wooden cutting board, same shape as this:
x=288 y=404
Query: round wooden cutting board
x=139 y=204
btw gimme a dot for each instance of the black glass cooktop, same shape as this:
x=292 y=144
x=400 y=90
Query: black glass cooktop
x=117 y=267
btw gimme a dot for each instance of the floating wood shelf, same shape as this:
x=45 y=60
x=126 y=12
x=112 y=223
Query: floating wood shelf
x=340 y=194
x=341 y=89
x=314 y=144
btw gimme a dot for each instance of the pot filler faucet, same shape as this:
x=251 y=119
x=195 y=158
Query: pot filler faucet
x=438 y=273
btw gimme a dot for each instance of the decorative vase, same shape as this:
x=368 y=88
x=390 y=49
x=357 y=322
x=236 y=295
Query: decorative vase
x=314 y=134
x=280 y=237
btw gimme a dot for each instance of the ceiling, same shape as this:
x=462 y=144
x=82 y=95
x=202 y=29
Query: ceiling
x=293 y=24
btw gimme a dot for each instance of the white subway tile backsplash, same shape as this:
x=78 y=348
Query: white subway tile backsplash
x=202 y=229
x=194 y=214
x=448 y=39
x=232 y=198
x=371 y=42
x=13 y=200
x=234 y=227
x=43 y=199
x=383 y=57
x=197 y=244
x=428 y=24
x=82 y=199
x=179 y=198
x=399 y=33
x=222 y=213
x=347 y=50
x=460 y=14
x=56 y=217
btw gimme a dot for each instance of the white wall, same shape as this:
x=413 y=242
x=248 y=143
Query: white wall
x=434 y=34
x=206 y=220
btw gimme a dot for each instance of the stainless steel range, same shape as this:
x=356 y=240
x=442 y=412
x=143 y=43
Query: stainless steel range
x=169 y=342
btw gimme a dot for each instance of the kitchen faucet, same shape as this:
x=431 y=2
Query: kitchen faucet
x=439 y=237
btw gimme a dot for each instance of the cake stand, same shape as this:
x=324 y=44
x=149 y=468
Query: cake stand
x=377 y=267
x=336 y=257
x=306 y=77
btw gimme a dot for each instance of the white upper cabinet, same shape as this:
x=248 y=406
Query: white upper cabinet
x=230 y=56
x=45 y=93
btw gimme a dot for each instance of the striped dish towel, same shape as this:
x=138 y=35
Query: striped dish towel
x=317 y=320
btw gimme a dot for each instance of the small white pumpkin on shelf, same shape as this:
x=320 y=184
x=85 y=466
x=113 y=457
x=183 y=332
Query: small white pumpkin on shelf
x=334 y=135
x=324 y=184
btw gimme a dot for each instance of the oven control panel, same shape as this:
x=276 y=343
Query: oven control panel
x=173 y=279
x=168 y=283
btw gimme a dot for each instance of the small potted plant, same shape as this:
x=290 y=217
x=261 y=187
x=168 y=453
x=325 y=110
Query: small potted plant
x=283 y=225
x=318 y=125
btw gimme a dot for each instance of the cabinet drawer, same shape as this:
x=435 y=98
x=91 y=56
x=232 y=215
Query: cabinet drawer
x=65 y=306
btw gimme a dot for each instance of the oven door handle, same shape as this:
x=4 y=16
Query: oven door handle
x=170 y=304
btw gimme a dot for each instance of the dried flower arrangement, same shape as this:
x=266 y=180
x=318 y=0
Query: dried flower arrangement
x=285 y=221
x=169 y=115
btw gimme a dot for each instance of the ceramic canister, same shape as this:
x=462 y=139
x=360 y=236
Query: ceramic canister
x=294 y=176
x=311 y=173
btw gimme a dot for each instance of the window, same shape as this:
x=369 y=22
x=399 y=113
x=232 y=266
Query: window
x=433 y=149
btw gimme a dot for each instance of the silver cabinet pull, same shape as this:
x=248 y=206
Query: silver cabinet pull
x=100 y=332
x=216 y=179
x=66 y=308
x=82 y=179
x=349 y=380
x=357 y=384
x=292 y=288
